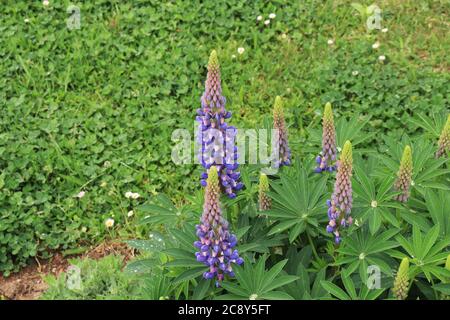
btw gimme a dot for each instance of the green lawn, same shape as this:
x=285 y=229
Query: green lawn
x=93 y=109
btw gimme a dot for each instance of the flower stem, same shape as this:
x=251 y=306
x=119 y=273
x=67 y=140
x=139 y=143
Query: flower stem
x=313 y=248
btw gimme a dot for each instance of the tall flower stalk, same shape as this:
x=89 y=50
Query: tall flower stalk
x=404 y=175
x=216 y=138
x=444 y=140
x=326 y=161
x=215 y=242
x=340 y=204
x=401 y=282
x=265 y=203
x=284 y=153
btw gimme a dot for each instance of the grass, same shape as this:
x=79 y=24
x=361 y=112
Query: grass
x=93 y=109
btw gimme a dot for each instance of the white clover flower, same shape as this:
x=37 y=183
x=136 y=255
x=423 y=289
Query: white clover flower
x=259 y=18
x=384 y=30
x=330 y=42
x=240 y=50
x=109 y=223
x=376 y=45
x=45 y=3
x=84 y=229
x=355 y=73
x=233 y=56
x=267 y=22
x=272 y=16
x=107 y=164
x=128 y=194
x=26 y=20
x=135 y=195
x=382 y=58
x=130 y=213
x=81 y=194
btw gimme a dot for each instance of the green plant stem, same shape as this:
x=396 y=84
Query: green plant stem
x=313 y=248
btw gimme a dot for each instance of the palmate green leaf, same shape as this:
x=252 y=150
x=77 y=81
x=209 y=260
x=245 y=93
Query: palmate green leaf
x=185 y=238
x=276 y=295
x=415 y=219
x=443 y=288
x=179 y=253
x=273 y=273
x=426 y=169
x=235 y=289
x=201 y=289
x=334 y=290
x=374 y=220
x=429 y=241
x=280 y=281
x=438 y=202
x=366 y=183
x=190 y=274
x=425 y=251
x=283 y=226
x=184 y=263
x=296 y=231
x=348 y=284
x=254 y=280
x=432 y=124
x=356 y=250
x=298 y=203
x=142 y=265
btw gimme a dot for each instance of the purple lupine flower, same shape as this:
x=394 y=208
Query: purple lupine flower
x=444 y=140
x=284 y=153
x=215 y=138
x=340 y=204
x=404 y=175
x=216 y=244
x=326 y=161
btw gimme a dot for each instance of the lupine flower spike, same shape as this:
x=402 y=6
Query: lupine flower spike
x=404 y=175
x=284 y=153
x=340 y=204
x=401 y=282
x=265 y=203
x=215 y=242
x=444 y=140
x=326 y=161
x=217 y=147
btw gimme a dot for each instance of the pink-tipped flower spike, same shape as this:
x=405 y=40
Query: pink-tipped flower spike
x=404 y=175
x=265 y=202
x=217 y=147
x=326 y=161
x=444 y=140
x=215 y=242
x=284 y=153
x=340 y=204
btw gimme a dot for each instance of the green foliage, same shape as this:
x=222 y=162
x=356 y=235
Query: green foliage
x=93 y=110
x=254 y=282
x=425 y=252
x=99 y=280
x=350 y=292
x=298 y=204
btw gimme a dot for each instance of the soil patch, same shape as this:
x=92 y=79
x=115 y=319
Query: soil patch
x=28 y=284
